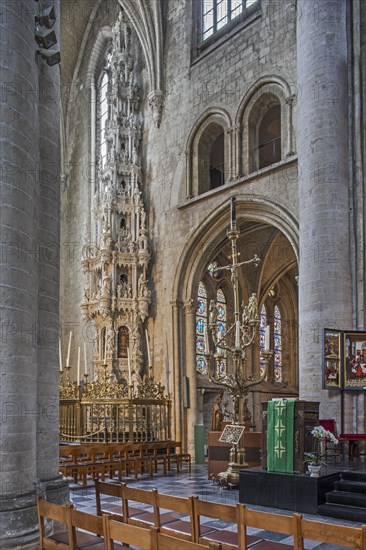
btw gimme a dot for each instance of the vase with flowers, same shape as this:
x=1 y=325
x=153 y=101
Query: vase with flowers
x=314 y=459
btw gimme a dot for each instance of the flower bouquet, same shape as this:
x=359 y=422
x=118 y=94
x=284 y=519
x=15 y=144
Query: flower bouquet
x=320 y=435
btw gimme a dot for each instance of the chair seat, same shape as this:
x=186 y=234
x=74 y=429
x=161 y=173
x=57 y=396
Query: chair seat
x=228 y=537
x=271 y=545
x=83 y=539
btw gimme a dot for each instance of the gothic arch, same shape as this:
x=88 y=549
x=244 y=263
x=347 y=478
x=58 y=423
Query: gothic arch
x=204 y=244
x=210 y=123
x=266 y=90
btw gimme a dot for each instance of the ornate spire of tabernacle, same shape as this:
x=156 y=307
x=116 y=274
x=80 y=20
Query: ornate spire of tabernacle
x=117 y=295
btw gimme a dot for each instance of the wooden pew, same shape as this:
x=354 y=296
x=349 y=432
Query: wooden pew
x=166 y=542
x=288 y=525
x=225 y=512
x=341 y=535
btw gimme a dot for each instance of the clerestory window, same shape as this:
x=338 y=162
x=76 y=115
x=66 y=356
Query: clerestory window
x=218 y=13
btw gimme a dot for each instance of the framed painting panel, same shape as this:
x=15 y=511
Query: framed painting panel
x=331 y=359
x=354 y=346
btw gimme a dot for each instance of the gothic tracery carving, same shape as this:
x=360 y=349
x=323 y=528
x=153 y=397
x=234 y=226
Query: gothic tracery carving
x=116 y=292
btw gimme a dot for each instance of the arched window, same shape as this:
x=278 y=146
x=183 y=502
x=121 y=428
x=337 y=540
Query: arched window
x=277 y=333
x=201 y=328
x=211 y=152
x=218 y=13
x=102 y=112
x=217 y=162
x=221 y=329
x=262 y=331
x=123 y=342
x=269 y=137
x=103 y=349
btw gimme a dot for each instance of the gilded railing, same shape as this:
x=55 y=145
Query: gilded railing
x=105 y=411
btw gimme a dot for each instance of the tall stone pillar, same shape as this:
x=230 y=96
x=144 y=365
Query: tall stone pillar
x=18 y=273
x=190 y=324
x=325 y=296
x=51 y=484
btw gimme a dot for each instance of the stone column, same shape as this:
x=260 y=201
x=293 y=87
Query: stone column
x=177 y=377
x=52 y=486
x=190 y=322
x=325 y=294
x=18 y=273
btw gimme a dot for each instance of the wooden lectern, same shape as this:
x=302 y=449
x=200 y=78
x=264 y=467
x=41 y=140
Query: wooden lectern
x=306 y=418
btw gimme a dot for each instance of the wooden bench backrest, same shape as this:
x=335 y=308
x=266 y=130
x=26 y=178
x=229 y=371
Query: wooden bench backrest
x=350 y=537
x=288 y=525
x=128 y=534
x=225 y=512
x=161 y=541
x=88 y=522
x=59 y=513
x=104 y=488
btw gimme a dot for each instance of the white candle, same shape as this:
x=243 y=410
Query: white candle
x=60 y=354
x=85 y=363
x=237 y=334
x=68 y=350
x=267 y=336
x=78 y=379
x=129 y=368
x=148 y=348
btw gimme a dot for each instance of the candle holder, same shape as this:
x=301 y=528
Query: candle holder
x=234 y=343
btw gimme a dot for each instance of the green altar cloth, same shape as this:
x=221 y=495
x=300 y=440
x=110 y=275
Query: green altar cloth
x=280 y=435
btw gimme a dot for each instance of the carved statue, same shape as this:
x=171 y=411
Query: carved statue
x=110 y=340
x=253 y=307
x=212 y=313
x=217 y=414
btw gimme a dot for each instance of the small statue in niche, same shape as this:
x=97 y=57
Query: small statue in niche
x=253 y=307
x=212 y=313
x=245 y=315
x=110 y=340
x=247 y=417
x=217 y=413
x=106 y=290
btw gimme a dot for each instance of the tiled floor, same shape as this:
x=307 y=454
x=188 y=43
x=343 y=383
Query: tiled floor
x=197 y=483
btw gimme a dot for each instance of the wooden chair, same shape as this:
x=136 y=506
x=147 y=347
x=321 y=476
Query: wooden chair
x=127 y=534
x=288 y=525
x=224 y=512
x=135 y=515
x=62 y=541
x=161 y=541
x=341 y=535
x=171 y=513
x=112 y=490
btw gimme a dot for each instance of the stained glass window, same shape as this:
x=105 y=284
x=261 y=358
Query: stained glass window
x=277 y=326
x=201 y=328
x=262 y=331
x=221 y=329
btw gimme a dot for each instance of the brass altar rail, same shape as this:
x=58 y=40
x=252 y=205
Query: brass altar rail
x=120 y=419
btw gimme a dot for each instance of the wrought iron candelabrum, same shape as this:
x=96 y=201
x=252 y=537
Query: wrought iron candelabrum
x=240 y=335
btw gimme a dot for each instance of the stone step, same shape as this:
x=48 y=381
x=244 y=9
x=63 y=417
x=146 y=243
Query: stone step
x=348 y=499
x=350 y=486
x=342 y=512
x=354 y=476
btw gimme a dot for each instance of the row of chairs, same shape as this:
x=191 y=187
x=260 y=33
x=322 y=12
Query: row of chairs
x=117 y=459
x=186 y=519
x=83 y=531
